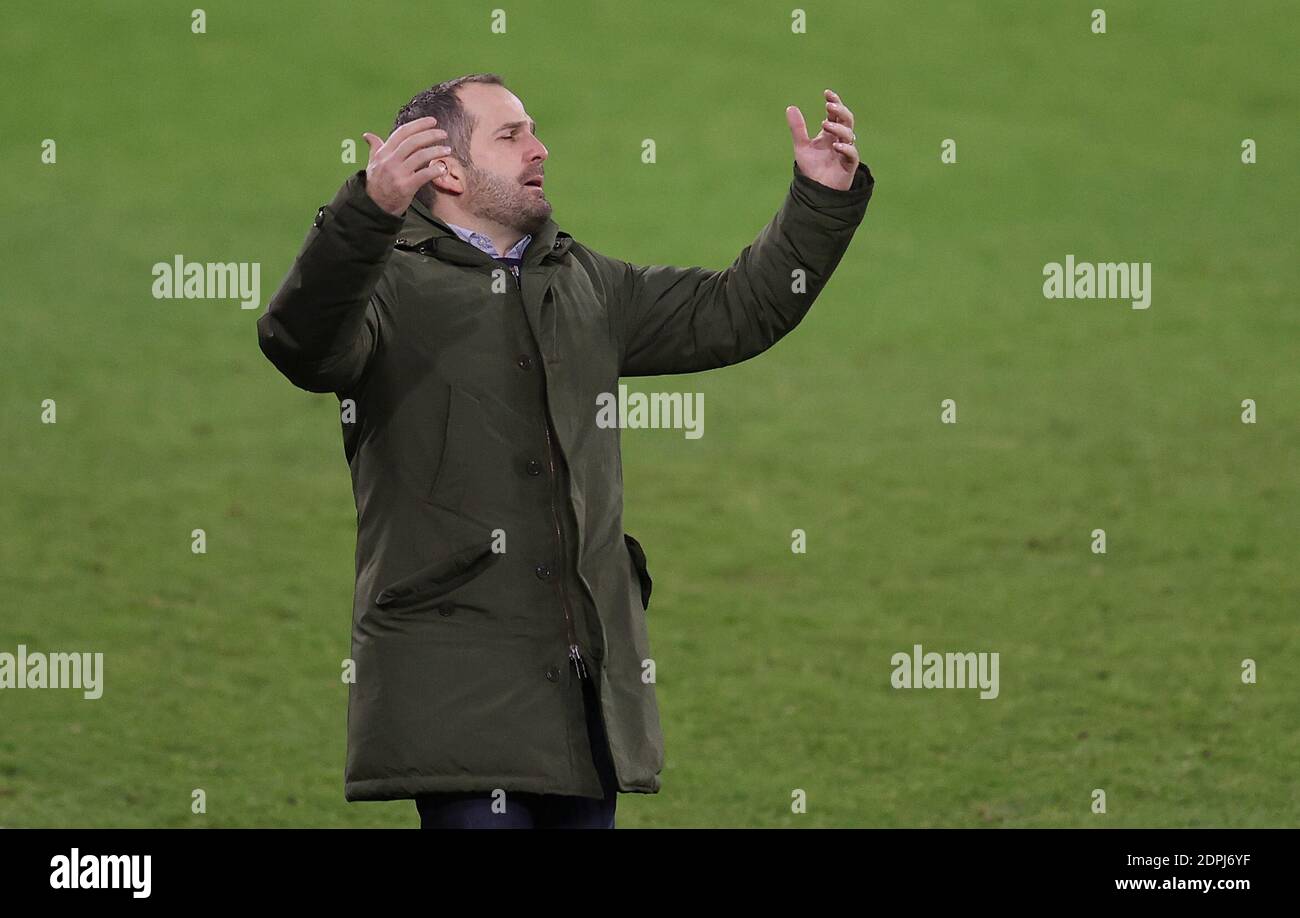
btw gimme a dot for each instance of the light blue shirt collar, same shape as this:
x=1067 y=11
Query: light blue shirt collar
x=484 y=244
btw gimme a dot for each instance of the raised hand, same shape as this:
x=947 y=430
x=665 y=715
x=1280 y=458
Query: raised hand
x=831 y=157
x=401 y=165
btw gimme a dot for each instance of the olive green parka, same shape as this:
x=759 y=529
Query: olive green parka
x=492 y=569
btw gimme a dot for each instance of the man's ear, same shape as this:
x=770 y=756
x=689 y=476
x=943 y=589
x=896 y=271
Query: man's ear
x=453 y=180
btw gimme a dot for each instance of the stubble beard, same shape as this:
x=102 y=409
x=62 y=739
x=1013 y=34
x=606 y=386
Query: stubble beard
x=506 y=202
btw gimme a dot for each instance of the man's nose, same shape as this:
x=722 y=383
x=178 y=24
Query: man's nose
x=538 y=153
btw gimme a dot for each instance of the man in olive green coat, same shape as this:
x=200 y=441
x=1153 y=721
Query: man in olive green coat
x=498 y=625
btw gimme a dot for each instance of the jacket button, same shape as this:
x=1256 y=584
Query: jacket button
x=557 y=244
x=525 y=362
x=445 y=609
x=320 y=216
x=542 y=571
x=552 y=674
x=534 y=467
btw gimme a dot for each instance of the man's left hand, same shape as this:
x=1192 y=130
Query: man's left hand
x=831 y=157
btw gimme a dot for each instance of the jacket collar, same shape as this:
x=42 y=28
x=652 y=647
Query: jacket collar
x=424 y=232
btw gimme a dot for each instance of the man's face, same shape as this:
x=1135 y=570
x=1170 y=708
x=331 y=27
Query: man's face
x=506 y=155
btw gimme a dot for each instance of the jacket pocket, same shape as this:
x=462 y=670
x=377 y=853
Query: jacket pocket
x=440 y=578
x=638 y=564
x=449 y=484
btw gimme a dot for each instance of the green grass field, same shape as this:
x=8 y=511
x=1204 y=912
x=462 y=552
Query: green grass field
x=1118 y=671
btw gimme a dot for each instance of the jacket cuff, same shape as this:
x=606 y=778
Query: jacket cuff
x=362 y=211
x=848 y=205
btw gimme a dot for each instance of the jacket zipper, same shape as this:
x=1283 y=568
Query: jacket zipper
x=575 y=654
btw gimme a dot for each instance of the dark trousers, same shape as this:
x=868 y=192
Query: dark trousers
x=473 y=809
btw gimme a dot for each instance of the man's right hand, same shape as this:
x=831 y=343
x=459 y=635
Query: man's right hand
x=401 y=165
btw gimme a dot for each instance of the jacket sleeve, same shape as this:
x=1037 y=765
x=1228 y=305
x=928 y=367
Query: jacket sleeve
x=322 y=325
x=681 y=320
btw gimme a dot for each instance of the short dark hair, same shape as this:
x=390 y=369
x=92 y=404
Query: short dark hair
x=441 y=102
